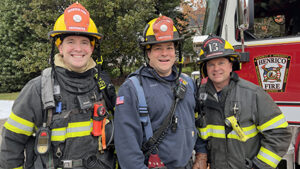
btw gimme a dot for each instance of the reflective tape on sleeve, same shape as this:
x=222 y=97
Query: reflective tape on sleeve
x=268 y=157
x=19 y=125
x=277 y=122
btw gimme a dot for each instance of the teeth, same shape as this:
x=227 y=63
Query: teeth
x=77 y=56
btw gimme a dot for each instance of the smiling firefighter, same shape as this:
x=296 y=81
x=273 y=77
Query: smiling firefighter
x=154 y=118
x=62 y=118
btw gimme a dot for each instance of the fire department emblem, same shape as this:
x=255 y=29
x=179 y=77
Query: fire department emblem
x=272 y=71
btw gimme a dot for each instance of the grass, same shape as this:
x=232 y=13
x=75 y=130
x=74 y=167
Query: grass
x=9 y=96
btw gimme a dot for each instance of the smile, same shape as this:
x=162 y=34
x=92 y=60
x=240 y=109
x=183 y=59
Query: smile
x=164 y=60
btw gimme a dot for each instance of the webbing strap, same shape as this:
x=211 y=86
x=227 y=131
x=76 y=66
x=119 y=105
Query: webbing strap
x=47 y=89
x=143 y=107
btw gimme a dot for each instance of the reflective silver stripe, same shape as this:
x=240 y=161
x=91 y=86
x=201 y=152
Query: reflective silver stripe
x=254 y=130
x=268 y=157
x=212 y=131
x=276 y=122
x=19 y=125
x=58 y=133
x=70 y=130
x=250 y=131
x=76 y=129
x=275 y=125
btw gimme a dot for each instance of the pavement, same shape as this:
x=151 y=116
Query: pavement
x=5 y=109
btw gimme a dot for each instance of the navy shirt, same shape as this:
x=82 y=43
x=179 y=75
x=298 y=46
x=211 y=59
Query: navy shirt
x=176 y=148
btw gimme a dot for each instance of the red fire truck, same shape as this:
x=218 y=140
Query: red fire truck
x=267 y=33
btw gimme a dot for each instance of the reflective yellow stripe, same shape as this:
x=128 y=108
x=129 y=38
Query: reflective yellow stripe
x=268 y=157
x=21 y=167
x=218 y=131
x=19 y=125
x=250 y=131
x=212 y=131
x=277 y=122
x=76 y=129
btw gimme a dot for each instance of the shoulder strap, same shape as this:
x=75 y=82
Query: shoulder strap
x=47 y=89
x=143 y=107
x=47 y=93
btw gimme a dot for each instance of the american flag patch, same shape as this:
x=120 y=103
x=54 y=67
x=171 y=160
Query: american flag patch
x=120 y=100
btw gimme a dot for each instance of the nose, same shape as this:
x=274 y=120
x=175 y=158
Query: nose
x=164 y=52
x=77 y=47
x=216 y=67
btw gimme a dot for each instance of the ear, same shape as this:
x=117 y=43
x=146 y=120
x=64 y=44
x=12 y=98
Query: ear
x=148 y=53
x=93 y=47
x=60 y=49
x=231 y=66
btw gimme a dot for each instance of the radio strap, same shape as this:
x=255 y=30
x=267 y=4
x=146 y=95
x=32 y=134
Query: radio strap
x=154 y=139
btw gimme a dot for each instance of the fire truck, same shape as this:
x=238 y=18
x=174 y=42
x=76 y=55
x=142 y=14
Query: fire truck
x=267 y=34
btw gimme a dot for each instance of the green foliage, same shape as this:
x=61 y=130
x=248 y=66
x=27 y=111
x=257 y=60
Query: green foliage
x=25 y=46
x=14 y=38
x=9 y=96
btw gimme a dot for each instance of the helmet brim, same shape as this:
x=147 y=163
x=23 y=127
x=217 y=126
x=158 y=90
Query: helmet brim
x=164 y=41
x=233 y=54
x=57 y=33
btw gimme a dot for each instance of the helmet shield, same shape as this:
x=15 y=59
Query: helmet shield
x=160 y=30
x=75 y=21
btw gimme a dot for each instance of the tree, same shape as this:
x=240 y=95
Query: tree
x=26 y=48
x=193 y=14
x=14 y=39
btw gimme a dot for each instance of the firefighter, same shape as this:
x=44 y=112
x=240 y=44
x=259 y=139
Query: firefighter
x=242 y=125
x=154 y=117
x=52 y=118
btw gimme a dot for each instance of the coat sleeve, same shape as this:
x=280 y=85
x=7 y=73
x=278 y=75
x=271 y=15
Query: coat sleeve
x=276 y=135
x=20 y=126
x=128 y=129
x=200 y=146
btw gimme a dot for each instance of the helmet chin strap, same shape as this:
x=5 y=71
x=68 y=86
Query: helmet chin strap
x=180 y=61
x=52 y=56
x=99 y=60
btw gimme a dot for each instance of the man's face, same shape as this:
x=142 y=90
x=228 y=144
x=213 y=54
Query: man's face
x=162 y=57
x=76 y=51
x=218 y=71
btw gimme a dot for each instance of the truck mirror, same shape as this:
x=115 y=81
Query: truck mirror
x=243 y=18
x=243 y=14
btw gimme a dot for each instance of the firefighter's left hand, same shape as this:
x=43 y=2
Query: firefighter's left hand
x=200 y=161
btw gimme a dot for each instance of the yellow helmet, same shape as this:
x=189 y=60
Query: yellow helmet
x=216 y=47
x=159 y=30
x=75 y=20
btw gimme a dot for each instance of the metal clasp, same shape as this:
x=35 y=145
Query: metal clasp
x=67 y=163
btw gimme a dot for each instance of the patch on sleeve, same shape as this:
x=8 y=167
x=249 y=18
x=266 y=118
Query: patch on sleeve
x=183 y=81
x=120 y=100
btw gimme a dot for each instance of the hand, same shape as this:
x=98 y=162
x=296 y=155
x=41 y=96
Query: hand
x=200 y=161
